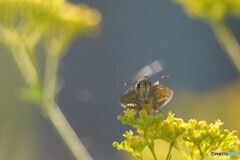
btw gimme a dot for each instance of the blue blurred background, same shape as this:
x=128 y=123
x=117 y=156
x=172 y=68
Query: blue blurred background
x=133 y=34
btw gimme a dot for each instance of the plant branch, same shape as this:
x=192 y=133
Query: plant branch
x=49 y=107
x=50 y=76
x=63 y=128
x=55 y=115
x=141 y=157
x=201 y=153
x=229 y=43
x=169 y=151
x=151 y=147
x=25 y=65
x=182 y=152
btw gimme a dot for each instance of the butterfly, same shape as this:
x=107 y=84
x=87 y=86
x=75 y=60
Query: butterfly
x=146 y=95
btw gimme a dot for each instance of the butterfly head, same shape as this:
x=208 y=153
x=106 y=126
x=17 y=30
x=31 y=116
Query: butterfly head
x=144 y=89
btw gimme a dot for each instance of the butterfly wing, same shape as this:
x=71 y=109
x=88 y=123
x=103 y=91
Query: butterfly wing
x=162 y=95
x=130 y=100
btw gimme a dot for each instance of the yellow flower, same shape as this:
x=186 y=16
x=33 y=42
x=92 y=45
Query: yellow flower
x=198 y=137
x=211 y=10
x=192 y=123
x=57 y=21
x=128 y=134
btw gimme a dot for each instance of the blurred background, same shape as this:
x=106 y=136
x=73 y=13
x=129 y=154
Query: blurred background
x=133 y=34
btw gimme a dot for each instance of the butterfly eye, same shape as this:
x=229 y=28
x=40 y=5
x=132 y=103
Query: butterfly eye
x=150 y=84
x=138 y=85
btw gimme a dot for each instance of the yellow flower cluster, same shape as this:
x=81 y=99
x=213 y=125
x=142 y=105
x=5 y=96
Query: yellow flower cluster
x=211 y=10
x=203 y=138
x=132 y=144
x=29 y=21
x=199 y=138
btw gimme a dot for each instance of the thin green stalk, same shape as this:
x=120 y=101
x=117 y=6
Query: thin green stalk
x=151 y=147
x=229 y=43
x=201 y=153
x=55 y=115
x=183 y=153
x=50 y=108
x=170 y=150
x=141 y=157
x=50 y=76
x=25 y=65
x=65 y=131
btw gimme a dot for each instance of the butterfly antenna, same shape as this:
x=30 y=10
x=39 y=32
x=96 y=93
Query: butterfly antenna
x=126 y=84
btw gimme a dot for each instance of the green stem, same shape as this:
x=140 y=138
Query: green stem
x=50 y=76
x=141 y=158
x=55 y=115
x=50 y=108
x=152 y=150
x=25 y=65
x=151 y=147
x=229 y=43
x=201 y=153
x=65 y=131
x=183 y=153
x=169 y=151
